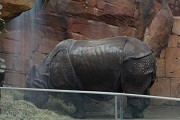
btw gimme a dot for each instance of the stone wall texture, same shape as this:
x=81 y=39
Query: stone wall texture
x=13 y=8
x=168 y=72
x=32 y=35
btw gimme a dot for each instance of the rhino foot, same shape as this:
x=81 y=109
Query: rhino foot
x=138 y=115
x=131 y=116
x=127 y=116
x=79 y=115
x=131 y=112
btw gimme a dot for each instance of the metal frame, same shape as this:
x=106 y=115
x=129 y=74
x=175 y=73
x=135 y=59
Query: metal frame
x=100 y=93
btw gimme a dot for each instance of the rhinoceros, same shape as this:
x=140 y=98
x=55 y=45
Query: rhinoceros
x=116 y=64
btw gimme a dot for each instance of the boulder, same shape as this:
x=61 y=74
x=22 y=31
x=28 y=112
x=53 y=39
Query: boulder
x=129 y=16
x=13 y=8
x=33 y=34
x=158 y=31
x=148 y=20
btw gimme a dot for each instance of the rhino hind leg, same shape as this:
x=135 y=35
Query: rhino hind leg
x=136 y=106
x=137 y=78
x=38 y=98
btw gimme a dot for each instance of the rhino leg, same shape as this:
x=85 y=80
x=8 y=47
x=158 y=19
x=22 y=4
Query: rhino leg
x=78 y=101
x=136 y=106
x=138 y=75
x=145 y=102
x=37 y=97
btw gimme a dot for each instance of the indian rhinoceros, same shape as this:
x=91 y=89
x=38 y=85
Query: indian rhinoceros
x=117 y=64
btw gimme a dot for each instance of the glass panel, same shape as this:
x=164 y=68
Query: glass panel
x=163 y=109
x=58 y=107
x=157 y=109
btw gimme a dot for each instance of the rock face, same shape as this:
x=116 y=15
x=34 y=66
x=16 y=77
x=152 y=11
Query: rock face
x=158 y=31
x=31 y=36
x=13 y=8
x=168 y=68
x=105 y=18
x=92 y=19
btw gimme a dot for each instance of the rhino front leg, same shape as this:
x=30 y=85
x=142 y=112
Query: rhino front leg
x=36 y=80
x=39 y=99
x=78 y=101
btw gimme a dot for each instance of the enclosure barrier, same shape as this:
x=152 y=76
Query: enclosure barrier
x=116 y=95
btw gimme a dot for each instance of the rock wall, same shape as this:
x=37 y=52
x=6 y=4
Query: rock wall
x=150 y=21
x=168 y=81
x=13 y=8
x=31 y=36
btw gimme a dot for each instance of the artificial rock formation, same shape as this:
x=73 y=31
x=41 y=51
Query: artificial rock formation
x=30 y=38
x=168 y=68
x=147 y=20
x=13 y=8
x=158 y=31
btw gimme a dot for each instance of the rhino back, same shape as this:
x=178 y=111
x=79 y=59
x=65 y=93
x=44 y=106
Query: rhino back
x=93 y=64
x=97 y=63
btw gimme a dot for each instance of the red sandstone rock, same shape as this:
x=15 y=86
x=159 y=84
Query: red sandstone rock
x=174 y=41
x=172 y=53
x=172 y=62
x=175 y=87
x=162 y=55
x=162 y=87
x=176 y=26
x=85 y=19
x=13 y=8
x=157 y=33
x=161 y=71
x=80 y=28
x=151 y=20
x=127 y=15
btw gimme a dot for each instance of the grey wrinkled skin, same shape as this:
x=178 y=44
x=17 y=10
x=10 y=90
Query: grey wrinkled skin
x=118 y=64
